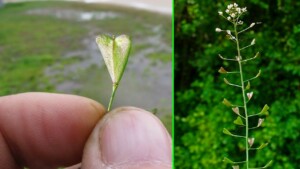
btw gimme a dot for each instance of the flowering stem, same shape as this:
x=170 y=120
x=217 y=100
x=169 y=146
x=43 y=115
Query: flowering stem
x=244 y=94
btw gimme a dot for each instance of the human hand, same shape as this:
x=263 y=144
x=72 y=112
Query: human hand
x=45 y=131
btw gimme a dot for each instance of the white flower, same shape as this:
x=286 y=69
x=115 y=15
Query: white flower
x=235 y=5
x=220 y=13
x=244 y=9
x=252 y=24
x=227 y=11
x=230 y=6
x=238 y=10
x=218 y=30
x=228 y=32
x=232 y=15
x=228 y=18
x=240 y=22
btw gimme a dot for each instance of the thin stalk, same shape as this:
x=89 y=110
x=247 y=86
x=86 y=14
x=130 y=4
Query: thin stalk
x=239 y=162
x=114 y=89
x=254 y=115
x=244 y=95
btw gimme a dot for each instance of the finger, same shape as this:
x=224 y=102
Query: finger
x=42 y=130
x=128 y=138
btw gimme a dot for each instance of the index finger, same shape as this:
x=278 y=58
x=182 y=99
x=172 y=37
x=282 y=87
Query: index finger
x=43 y=130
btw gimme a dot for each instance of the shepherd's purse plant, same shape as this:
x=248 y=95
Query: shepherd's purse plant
x=233 y=14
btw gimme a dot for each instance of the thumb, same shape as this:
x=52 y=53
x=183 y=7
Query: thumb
x=128 y=138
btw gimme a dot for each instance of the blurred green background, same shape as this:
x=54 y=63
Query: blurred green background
x=50 y=47
x=200 y=115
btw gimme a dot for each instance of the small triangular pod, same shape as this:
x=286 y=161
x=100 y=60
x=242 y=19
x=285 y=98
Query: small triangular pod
x=251 y=141
x=252 y=42
x=262 y=146
x=260 y=121
x=226 y=103
x=222 y=70
x=269 y=164
x=236 y=110
x=227 y=160
x=115 y=52
x=265 y=109
x=248 y=86
x=249 y=95
x=239 y=121
x=258 y=74
x=236 y=167
x=226 y=81
x=225 y=131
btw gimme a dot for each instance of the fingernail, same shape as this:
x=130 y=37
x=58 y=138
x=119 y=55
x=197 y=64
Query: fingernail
x=132 y=135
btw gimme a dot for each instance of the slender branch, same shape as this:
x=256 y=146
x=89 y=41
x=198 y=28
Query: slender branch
x=256 y=55
x=234 y=135
x=227 y=19
x=234 y=105
x=246 y=47
x=231 y=84
x=233 y=72
x=244 y=29
x=258 y=74
x=239 y=162
x=257 y=114
x=242 y=116
x=254 y=148
x=251 y=128
x=226 y=58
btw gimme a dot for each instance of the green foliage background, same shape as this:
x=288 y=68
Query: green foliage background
x=200 y=115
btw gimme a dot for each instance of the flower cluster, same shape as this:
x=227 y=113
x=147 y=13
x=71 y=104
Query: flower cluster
x=233 y=12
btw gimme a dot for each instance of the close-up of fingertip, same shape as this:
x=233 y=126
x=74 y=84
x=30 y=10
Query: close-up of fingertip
x=38 y=125
x=128 y=137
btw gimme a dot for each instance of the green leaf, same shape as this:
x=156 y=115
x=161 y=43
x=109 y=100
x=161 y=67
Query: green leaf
x=115 y=52
x=248 y=86
x=227 y=160
x=239 y=121
x=227 y=103
x=262 y=146
x=265 y=110
x=269 y=164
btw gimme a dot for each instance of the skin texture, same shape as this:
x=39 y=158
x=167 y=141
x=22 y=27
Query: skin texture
x=45 y=131
x=139 y=141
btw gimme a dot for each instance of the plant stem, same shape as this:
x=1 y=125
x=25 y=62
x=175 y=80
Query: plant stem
x=114 y=89
x=239 y=58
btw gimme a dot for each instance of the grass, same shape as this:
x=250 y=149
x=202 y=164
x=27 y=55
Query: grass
x=28 y=44
x=162 y=56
